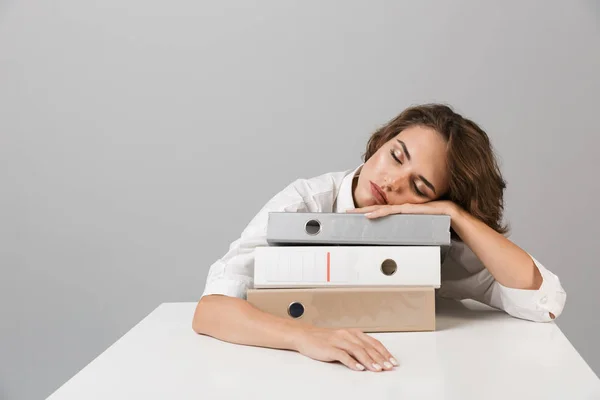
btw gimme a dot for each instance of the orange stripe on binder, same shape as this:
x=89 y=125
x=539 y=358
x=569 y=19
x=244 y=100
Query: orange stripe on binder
x=328 y=266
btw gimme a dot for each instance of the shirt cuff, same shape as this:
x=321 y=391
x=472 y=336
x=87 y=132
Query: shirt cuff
x=534 y=305
x=227 y=288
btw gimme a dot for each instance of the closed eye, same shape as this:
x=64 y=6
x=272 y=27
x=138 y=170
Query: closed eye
x=417 y=191
x=414 y=185
x=394 y=156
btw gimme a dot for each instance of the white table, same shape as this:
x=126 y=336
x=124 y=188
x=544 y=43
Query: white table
x=475 y=353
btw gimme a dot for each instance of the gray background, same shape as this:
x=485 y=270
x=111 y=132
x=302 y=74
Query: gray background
x=138 y=138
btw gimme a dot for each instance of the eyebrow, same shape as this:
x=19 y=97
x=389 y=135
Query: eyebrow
x=425 y=181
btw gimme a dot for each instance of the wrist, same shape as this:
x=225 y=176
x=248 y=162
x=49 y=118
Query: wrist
x=453 y=211
x=293 y=334
x=457 y=216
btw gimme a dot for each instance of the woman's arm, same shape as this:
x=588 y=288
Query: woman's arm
x=501 y=273
x=235 y=320
x=510 y=265
x=523 y=287
x=223 y=312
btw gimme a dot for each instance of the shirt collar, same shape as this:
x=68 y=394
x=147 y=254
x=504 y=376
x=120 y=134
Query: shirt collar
x=345 y=199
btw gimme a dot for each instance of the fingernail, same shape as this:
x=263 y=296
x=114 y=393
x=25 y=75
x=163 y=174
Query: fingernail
x=393 y=360
x=360 y=366
x=377 y=366
x=387 y=365
x=368 y=214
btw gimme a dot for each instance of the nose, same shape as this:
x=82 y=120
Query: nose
x=396 y=183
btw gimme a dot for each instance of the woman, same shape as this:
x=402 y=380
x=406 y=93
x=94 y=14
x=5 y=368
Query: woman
x=427 y=160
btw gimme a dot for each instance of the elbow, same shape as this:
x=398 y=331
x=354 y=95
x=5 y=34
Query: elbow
x=550 y=308
x=553 y=304
x=209 y=312
x=558 y=305
x=535 y=306
x=200 y=320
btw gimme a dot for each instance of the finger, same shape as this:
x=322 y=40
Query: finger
x=379 y=346
x=409 y=208
x=382 y=212
x=359 y=353
x=347 y=360
x=379 y=358
x=373 y=215
x=364 y=209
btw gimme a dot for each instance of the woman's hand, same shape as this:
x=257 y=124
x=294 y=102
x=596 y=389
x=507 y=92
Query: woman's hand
x=351 y=347
x=433 y=207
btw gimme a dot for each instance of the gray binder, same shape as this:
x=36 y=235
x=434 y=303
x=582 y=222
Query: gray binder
x=285 y=228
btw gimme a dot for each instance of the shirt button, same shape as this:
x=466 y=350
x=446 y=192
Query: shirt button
x=544 y=299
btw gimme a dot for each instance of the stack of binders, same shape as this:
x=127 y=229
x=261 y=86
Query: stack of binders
x=341 y=270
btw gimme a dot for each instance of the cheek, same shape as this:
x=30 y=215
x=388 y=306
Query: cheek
x=376 y=169
x=363 y=193
x=383 y=159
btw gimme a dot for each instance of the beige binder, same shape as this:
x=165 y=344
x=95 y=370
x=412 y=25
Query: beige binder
x=371 y=309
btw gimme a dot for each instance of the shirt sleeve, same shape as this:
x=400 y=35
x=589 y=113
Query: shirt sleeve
x=477 y=283
x=233 y=273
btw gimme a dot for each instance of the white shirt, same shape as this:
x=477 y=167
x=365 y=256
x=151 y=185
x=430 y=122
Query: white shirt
x=463 y=275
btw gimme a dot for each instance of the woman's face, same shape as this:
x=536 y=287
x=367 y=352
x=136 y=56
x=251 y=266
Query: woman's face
x=409 y=168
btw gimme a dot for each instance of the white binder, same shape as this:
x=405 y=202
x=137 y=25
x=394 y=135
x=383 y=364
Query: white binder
x=346 y=266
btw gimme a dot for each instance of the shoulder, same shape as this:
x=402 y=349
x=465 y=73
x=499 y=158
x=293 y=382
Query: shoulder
x=327 y=182
x=308 y=194
x=314 y=194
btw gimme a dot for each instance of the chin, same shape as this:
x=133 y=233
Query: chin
x=368 y=202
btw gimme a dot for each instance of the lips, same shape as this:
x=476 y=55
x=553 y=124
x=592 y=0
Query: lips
x=378 y=194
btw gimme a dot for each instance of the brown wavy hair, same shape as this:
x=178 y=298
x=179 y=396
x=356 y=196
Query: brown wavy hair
x=476 y=184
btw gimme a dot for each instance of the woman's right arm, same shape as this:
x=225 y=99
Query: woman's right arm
x=223 y=312
x=235 y=320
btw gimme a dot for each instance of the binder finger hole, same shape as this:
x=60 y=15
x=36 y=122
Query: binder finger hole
x=313 y=227
x=295 y=310
x=388 y=267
